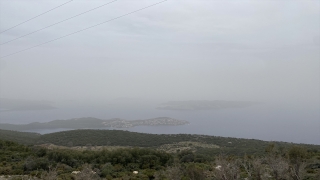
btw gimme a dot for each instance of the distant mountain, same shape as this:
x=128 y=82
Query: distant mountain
x=24 y=105
x=94 y=123
x=195 y=105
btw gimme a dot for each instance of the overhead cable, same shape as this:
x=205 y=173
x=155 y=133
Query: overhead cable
x=35 y=17
x=57 y=23
x=83 y=29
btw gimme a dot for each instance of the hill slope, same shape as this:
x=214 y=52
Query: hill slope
x=19 y=137
x=200 y=143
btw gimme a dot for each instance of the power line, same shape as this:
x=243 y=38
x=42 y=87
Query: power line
x=82 y=29
x=56 y=23
x=35 y=17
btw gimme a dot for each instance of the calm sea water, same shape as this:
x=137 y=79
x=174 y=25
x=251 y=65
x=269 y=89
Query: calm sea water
x=264 y=121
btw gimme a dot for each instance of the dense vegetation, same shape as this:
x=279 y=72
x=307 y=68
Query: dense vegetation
x=20 y=137
x=194 y=157
x=235 y=146
x=18 y=159
x=34 y=162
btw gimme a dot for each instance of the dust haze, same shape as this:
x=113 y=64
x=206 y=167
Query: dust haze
x=257 y=51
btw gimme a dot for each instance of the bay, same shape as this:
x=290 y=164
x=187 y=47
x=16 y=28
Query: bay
x=270 y=122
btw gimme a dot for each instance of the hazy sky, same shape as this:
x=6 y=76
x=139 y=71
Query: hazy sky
x=177 y=50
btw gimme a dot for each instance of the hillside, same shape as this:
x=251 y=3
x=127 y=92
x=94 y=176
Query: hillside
x=19 y=137
x=275 y=161
x=200 y=143
x=236 y=146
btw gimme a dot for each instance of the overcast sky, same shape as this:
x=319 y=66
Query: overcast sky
x=177 y=50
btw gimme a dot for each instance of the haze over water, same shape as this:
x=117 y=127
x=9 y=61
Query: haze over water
x=259 y=51
x=265 y=121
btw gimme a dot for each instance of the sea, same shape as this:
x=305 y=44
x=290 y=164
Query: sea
x=264 y=121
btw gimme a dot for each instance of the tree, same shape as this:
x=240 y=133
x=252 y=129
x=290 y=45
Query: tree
x=50 y=175
x=226 y=169
x=87 y=173
x=195 y=173
x=254 y=168
x=174 y=172
x=279 y=166
x=297 y=155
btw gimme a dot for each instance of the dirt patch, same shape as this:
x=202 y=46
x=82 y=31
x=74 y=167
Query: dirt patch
x=185 y=145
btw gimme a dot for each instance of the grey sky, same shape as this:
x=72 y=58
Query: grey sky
x=177 y=50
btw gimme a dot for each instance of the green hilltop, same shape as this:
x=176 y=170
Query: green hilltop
x=90 y=137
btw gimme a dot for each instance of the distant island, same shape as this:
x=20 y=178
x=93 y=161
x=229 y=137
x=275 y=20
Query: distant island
x=195 y=105
x=94 y=123
x=24 y=105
